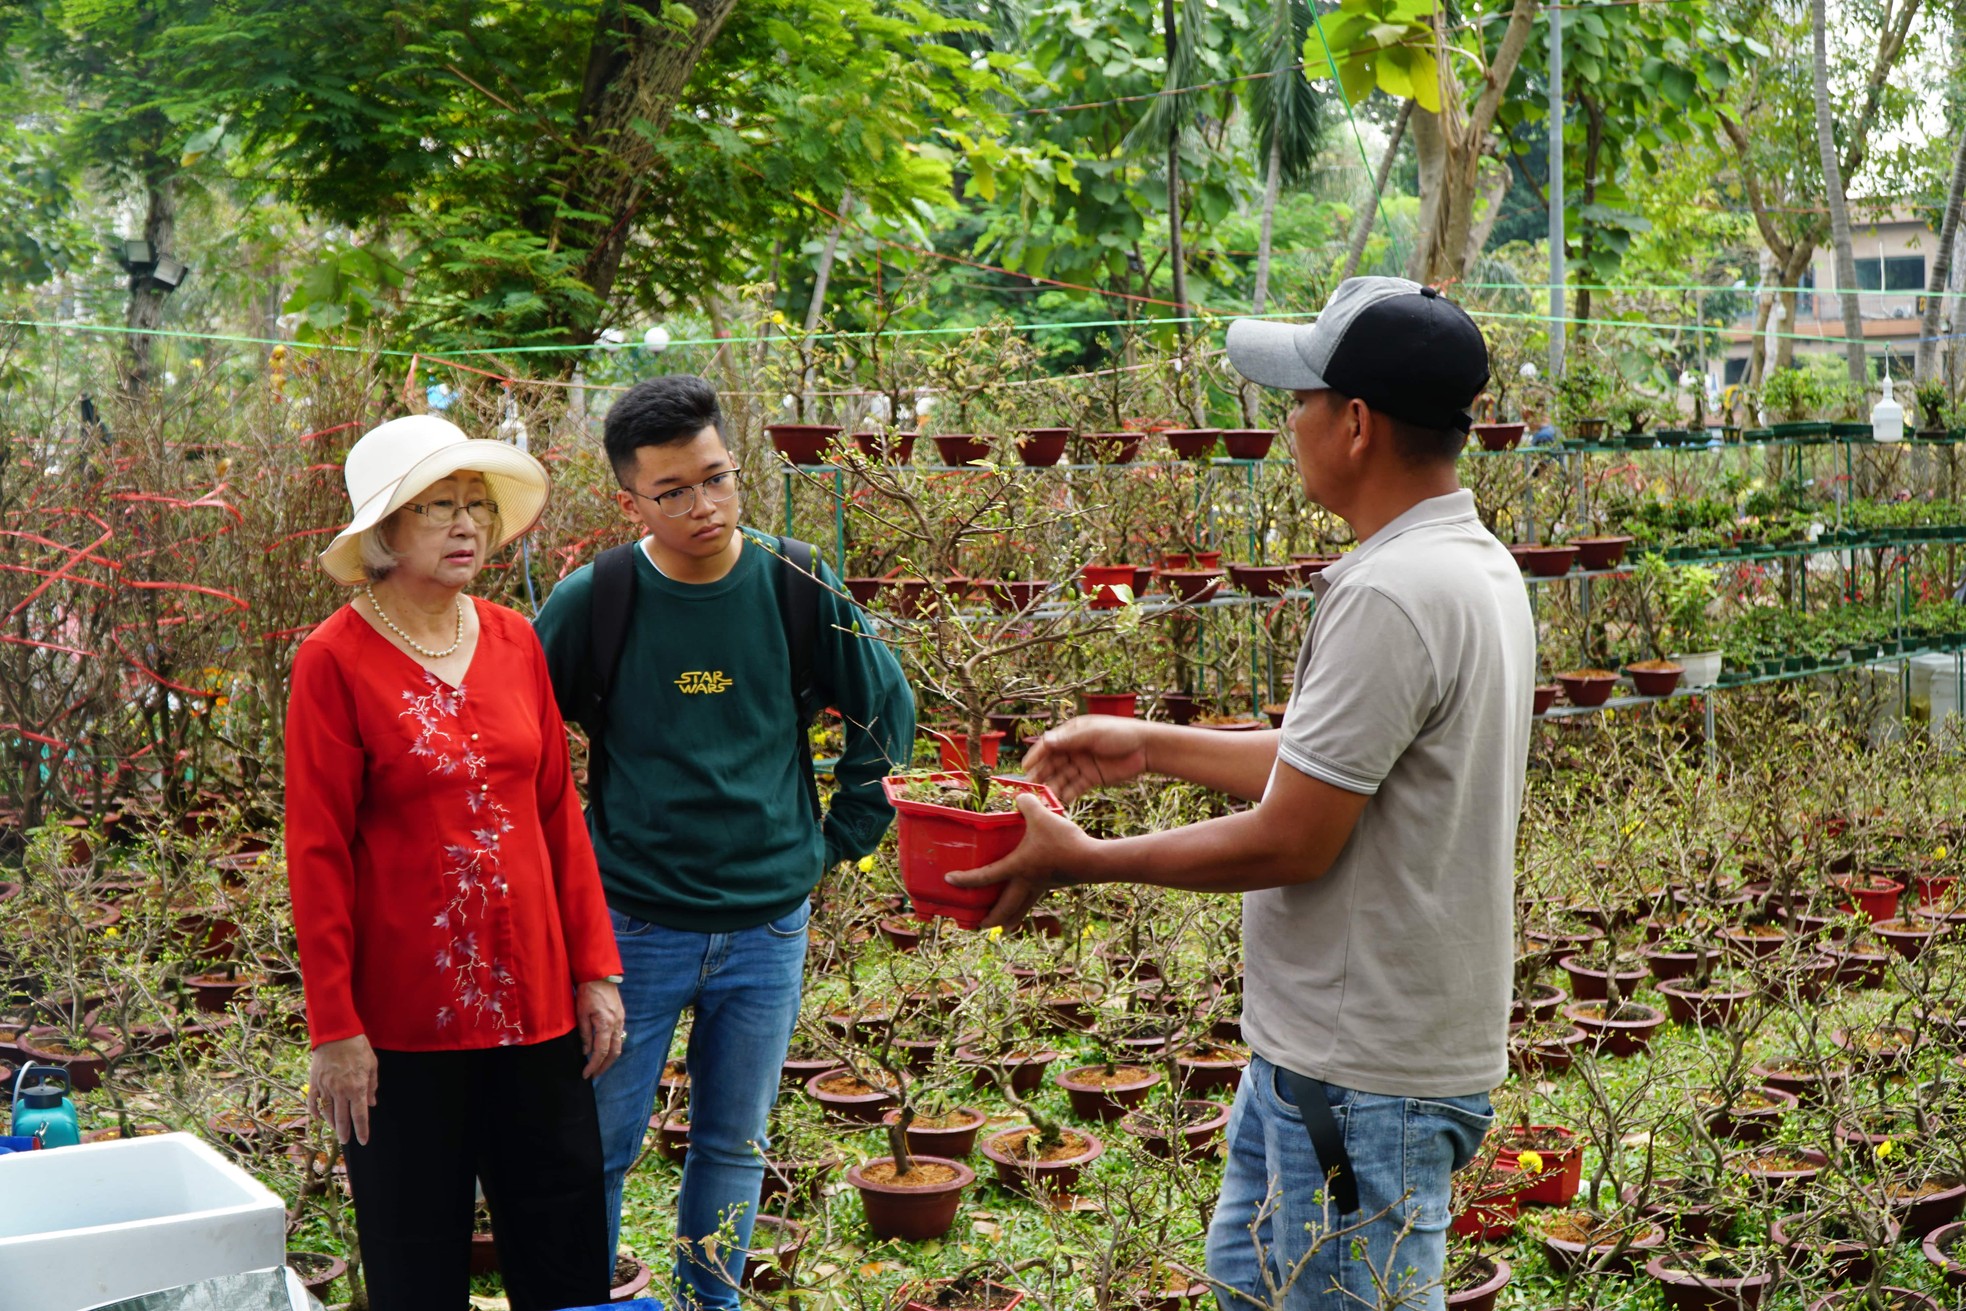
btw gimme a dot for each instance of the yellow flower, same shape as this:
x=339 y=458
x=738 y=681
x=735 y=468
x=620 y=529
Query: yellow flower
x=1529 y=1162
x=865 y=865
x=996 y=932
x=304 y=1088
x=1085 y=933
x=112 y=932
x=1886 y=1150
x=1938 y=853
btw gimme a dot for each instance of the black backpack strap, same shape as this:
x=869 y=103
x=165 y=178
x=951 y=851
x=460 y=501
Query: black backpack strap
x=799 y=595
x=612 y=597
x=1322 y=1125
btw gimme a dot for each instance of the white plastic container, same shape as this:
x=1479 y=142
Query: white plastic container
x=1935 y=686
x=80 y=1226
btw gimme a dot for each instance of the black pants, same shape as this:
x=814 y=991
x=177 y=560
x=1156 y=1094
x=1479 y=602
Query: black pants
x=519 y=1119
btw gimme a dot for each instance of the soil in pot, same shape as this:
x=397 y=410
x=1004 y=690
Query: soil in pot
x=1623 y=1032
x=1106 y=1092
x=1577 y=1240
x=1776 y=1168
x=1923 y=1206
x=1201 y=1125
x=1590 y=977
x=1017 y=1157
x=1210 y=1067
x=317 y=1271
x=850 y=1097
x=1475 y=1282
x=1753 y=1117
x=915 y=1207
x=1712 y=1279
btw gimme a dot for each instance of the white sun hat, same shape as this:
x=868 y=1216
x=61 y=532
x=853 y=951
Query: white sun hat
x=393 y=463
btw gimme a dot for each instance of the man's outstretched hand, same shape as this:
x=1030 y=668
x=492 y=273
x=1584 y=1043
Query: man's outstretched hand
x=1053 y=852
x=1088 y=752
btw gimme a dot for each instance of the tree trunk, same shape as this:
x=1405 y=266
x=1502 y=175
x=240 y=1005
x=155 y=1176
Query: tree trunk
x=817 y=305
x=1362 y=225
x=1272 y=186
x=1839 y=204
x=145 y=312
x=636 y=69
x=1941 y=273
x=1587 y=237
x=1176 y=260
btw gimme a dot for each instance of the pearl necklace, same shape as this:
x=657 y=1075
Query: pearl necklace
x=413 y=644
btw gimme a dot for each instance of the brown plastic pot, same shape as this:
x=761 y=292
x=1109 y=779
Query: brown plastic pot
x=1114 y=447
x=1566 y=1255
x=1041 y=447
x=1921 y=1214
x=773 y=1257
x=1197 y=1137
x=1938 y=1248
x=1261 y=580
x=1772 y=1169
x=1626 y=1035
x=1545 y=561
x=1025 y=1072
x=951 y=1144
x=1546 y=694
x=1828 y=1260
x=1192 y=585
x=1211 y=1069
x=1708 y=1008
x=802 y=443
x=1482 y=1295
x=1654 y=677
x=1589 y=983
x=800 y=1181
x=893 y=447
x=1058 y=1176
x=1193 y=443
x=960 y=448
x=1498 y=436
x=911 y=1213
x=1095 y=1100
x=1248 y=443
x=935 y=1295
x=1587 y=687
x=1600 y=552
x=1748 y=1125
x=1687 y=1287
x=854 y=1107
x=85 y=1068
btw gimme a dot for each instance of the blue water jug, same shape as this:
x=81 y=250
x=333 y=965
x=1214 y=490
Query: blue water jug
x=42 y=1108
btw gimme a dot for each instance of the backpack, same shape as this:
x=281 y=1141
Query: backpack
x=612 y=597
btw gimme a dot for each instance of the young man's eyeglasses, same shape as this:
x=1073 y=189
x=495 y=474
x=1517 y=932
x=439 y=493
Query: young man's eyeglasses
x=444 y=513
x=679 y=501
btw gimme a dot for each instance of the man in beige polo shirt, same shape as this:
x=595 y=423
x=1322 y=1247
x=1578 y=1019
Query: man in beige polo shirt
x=1377 y=865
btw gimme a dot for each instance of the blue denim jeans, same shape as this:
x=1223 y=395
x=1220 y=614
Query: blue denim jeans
x=745 y=989
x=1271 y=1214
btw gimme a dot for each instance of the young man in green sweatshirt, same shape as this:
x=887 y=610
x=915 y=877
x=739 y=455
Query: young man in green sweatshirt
x=701 y=805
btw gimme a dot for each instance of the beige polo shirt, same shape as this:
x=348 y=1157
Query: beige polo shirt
x=1391 y=974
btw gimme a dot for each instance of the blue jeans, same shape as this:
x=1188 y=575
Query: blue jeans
x=1272 y=1212
x=745 y=989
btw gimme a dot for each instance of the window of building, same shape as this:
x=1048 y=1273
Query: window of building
x=1891 y=273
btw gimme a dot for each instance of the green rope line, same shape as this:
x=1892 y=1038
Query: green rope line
x=1345 y=100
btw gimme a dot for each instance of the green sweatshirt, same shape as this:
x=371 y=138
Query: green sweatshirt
x=702 y=820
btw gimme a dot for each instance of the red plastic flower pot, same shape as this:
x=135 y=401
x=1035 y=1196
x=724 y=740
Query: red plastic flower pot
x=1545 y=561
x=802 y=443
x=1489 y=1218
x=1546 y=694
x=1587 y=687
x=1101 y=579
x=958 y=448
x=1873 y=896
x=864 y=590
x=1193 y=443
x=1498 y=436
x=936 y=841
x=1014 y=596
x=1192 y=584
x=950 y=1143
x=1556 y=1184
x=1038 y=447
x=1123 y=704
x=1248 y=443
x=956 y=751
x=1654 y=677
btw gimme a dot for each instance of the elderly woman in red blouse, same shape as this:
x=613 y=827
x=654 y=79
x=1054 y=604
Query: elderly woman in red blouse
x=455 y=948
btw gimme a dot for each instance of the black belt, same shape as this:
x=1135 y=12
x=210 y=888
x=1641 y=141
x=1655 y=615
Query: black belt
x=1340 y=1184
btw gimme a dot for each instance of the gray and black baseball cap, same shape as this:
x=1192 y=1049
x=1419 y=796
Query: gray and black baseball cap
x=1403 y=349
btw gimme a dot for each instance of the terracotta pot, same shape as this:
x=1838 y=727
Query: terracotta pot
x=1114 y=447
x=1666 y=964
x=1193 y=443
x=1545 y=696
x=1624 y=1036
x=1248 y=443
x=1919 y=1214
x=1123 y=704
x=854 y=1107
x=948 y=1144
x=911 y=1213
x=960 y=448
x=1015 y=1171
x=1753 y=1124
x=932 y=1295
x=1198 y=1136
x=1688 y=1287
x=1774 y=1169
x=1498 y=436
x=802 y=443
x=1039 y=447
x=1600 y=552
x=1210 y=1071
x=1261 y=580
x=1093 y=1099
x=317 y=1271
x=86 y=1068
x=864 y=590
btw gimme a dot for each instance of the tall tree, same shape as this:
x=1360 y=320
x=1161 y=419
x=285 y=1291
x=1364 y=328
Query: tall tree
x=1839 y=201
x=1941 y=273
x=1288 y=115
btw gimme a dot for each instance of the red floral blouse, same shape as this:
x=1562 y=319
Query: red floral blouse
x=444 y=890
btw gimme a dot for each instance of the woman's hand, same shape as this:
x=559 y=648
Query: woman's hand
x=603 y=1026
x=341 y=1084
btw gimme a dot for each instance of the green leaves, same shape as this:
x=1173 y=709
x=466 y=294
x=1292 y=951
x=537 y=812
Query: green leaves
x=1383 y=44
